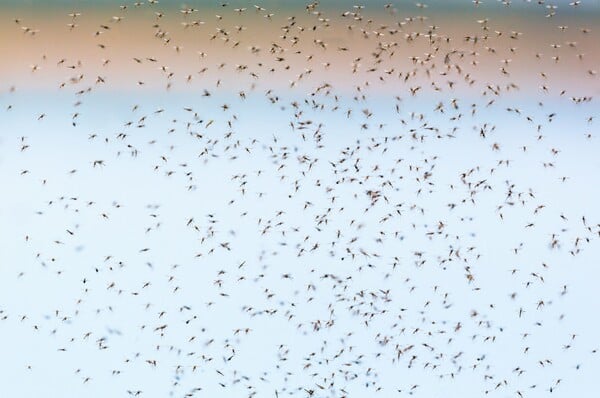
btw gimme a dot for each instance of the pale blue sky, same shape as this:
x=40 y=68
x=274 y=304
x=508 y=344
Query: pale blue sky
x=224 y=253
x=56 y=148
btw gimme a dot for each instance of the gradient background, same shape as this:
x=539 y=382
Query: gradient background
x=149 y=209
